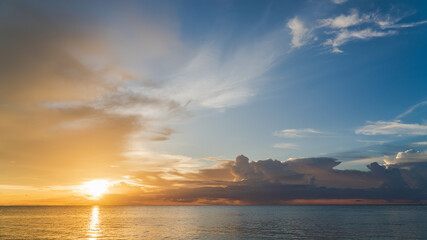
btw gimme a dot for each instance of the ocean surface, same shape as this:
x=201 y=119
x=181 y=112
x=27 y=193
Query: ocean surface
x=214 y=222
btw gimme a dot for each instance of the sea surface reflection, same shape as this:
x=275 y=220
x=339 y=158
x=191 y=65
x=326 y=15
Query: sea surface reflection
x=94 y=229
x=214 y=222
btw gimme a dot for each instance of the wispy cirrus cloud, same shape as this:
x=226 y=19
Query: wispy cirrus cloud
x=396 y=127
x=297 y=133
x=372 y=142
x=345 y=36
x=339 y=1
x=411 y=109
x=419 y=143
x=210 y=80
x=286 y=145
x=345 y=28
x=394 y=24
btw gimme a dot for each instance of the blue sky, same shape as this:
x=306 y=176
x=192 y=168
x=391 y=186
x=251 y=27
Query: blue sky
x=310 y=86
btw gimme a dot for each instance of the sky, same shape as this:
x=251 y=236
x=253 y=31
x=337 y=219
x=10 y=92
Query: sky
x=213 y=102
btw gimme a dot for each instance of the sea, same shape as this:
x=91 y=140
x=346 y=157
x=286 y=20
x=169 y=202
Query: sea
x=215 y=222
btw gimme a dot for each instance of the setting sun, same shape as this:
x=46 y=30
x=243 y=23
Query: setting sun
x=96 y=188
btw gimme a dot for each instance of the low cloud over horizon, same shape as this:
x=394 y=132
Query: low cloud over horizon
x=302 y=180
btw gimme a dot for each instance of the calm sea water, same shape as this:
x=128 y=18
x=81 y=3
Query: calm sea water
x=214 y=222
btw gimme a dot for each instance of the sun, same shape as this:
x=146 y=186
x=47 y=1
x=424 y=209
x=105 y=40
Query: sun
x=96 y=188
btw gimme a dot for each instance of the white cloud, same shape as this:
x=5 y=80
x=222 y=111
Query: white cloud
x=344 y=21
x=300 y=33
x=210 y=80
x=143 y=159
x=372 y=141
x=286 y=145
x=296 y=133
x=411 y=109
x=408 y=156
x=209 y=76
x=347 y=27
x=345 y=36
x=364 y=161
x=392 y=128
x=419 y=144
x=391 y=24
x=339 y=1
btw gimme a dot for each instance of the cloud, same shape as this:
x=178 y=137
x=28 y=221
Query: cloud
x=274 y=182
x=419 y=143
x=392 y=24
x=212 y=80
x=297 y=133
x=349 y=27
x=411 y=109
x=364 y=160
x=272 y=171
x=344 y=21
x=286 y=145
x=392 y=128
x=345 y=36
x=138 y=158
x=408 y=156
x=371 y=142
x=79 y=97
x=339 y=1
x=300 y=33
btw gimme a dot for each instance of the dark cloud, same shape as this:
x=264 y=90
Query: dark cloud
x=268 y=170
x=264 y=193
x=267 y=182
x=274 y=182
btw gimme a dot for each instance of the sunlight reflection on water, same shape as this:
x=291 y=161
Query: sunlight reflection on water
x=94 y=229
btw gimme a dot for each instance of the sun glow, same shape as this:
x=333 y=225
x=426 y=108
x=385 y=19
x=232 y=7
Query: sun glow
x=96 y=188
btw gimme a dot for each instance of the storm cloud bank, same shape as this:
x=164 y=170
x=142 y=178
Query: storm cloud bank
x=276 y=182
